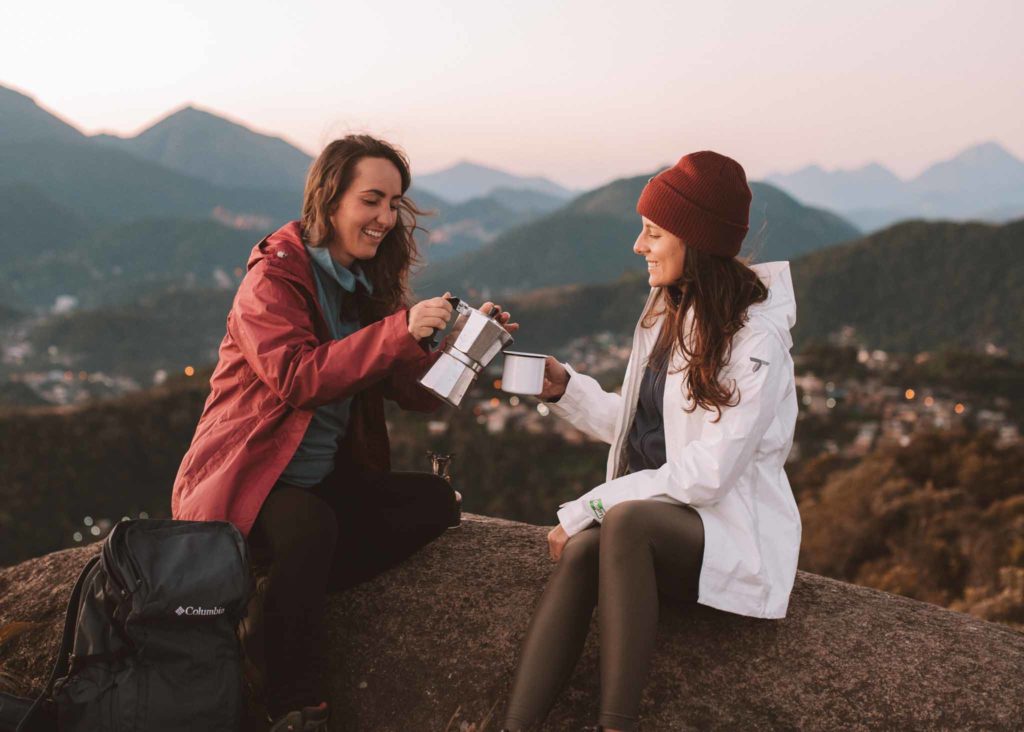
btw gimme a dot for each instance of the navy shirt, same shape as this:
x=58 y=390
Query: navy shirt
x=646 y=445
x=314 y=459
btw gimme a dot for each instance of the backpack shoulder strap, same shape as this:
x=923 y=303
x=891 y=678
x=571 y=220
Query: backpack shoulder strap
x=67 y=639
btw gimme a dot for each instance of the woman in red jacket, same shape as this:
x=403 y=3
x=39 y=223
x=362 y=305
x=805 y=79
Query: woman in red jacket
x=292 y=446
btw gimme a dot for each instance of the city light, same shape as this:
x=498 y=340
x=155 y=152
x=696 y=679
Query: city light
x=87 y=521
x=189 y=371
x=497 y=383
x=909 y=394
x=77 y=536
x=959 y=409
x=543 y=410
x=514 y=401
x=495 y=401
x=929 y=401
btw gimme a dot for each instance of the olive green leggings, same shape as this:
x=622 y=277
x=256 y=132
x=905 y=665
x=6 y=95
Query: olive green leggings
x=641 y=548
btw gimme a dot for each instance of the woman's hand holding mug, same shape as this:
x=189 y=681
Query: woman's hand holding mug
x=556 y=379
x=429 y=315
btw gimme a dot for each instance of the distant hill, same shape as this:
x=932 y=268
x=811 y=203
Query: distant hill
x=165 y=330
x=97 y=180
x=552 y=317
x=9 y=314
x=918 y=286
x=982 y=182
x=978 y=179
x=196 y=164
x=34 y=226
x=117 y=264
x=466 y=227
x=466 y=180
x=524 y=200
x=942 y=286
x=23 y=120
x=209 y=147
x=872 y=186
x=590 y=240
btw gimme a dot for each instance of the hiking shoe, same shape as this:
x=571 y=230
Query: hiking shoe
x=308 y=719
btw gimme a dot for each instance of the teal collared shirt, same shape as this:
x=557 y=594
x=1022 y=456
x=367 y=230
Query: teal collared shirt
x=314 y=458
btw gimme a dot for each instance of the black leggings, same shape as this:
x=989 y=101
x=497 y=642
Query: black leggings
x=311 y=541
x=641 y=548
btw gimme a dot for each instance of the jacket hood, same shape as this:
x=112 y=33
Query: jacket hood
x=285 y=251
x=779 y=310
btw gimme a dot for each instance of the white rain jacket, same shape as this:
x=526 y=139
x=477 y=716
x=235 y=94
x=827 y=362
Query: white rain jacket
x=730 y=471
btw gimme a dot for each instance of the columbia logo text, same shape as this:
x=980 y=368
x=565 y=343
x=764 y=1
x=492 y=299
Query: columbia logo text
x=194 y=610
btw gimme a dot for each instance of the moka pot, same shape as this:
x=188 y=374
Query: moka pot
x=480 y=340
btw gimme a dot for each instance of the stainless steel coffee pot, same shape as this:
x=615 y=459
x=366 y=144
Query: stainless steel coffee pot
x=480 y=340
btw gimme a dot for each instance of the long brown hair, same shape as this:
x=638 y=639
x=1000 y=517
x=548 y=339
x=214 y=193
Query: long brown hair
x=719 y=290
x=329 y=177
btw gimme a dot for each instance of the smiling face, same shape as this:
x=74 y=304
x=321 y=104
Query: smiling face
x=366 y=211
x=664 y=251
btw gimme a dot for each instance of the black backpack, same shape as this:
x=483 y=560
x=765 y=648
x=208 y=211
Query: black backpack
x=149 y=638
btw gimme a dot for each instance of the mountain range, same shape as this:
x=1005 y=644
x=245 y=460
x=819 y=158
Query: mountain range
x=195 y=164
x=152 y=246
x=203 y=145
x=917 y=286
x=590 y=240
x=465 y=180
x=982 y=182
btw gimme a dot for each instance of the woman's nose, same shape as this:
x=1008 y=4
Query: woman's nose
x=639 y=247
x=387 y=217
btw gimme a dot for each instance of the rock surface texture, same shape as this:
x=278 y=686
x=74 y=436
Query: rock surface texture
x=432 y=645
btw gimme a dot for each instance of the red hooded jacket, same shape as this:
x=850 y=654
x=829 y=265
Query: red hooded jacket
x=277 y=364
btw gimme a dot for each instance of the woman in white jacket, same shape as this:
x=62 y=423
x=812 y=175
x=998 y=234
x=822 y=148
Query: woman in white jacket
x=696 y=504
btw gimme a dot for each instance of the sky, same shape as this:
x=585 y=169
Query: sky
x=582 y=92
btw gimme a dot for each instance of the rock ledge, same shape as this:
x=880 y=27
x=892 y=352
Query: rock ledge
x=441 y=633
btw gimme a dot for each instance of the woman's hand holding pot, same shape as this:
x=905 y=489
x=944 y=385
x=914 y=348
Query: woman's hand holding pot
x=501 y=317
x=429 y=315
x=486 y=309
x=556 y=542
x=556 y=379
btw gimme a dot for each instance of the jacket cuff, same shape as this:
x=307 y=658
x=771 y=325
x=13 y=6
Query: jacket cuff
x=409 y=348
x=569 y=402
x=574 y=517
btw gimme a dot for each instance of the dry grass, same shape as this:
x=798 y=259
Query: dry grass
x=10 y=683
x=466 y=725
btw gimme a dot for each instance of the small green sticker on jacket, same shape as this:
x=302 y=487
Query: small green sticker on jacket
x=597 y=507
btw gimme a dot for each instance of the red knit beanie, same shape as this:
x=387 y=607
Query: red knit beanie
x=703 y=199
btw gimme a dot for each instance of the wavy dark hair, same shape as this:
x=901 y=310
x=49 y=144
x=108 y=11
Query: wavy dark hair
x=719 y=290
x=329 y=177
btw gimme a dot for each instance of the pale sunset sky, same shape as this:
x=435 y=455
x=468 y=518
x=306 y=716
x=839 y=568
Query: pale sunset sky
x=582 y=92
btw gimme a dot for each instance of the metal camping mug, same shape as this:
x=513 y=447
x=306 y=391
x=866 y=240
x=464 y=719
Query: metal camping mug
x=523 y=373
